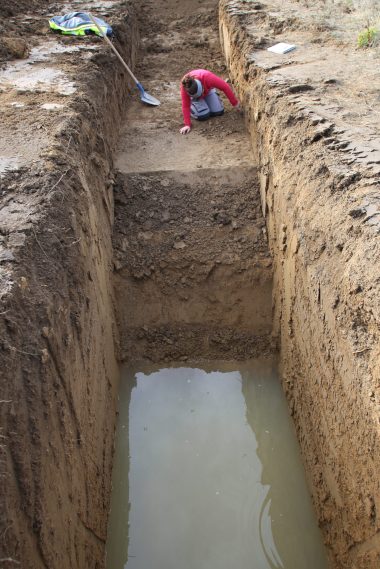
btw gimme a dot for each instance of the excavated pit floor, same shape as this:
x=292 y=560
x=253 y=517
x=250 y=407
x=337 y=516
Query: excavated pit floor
x=193 y=270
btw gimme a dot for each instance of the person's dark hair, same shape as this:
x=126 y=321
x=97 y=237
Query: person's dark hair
x=190 y=84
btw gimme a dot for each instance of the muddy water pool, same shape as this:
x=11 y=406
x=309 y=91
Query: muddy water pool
x=207 y=473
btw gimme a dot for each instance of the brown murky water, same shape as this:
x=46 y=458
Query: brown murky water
x=207 y=473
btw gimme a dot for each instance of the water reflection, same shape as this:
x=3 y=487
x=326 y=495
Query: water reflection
x=118 y=530
x=290 y=536
x=214 y=478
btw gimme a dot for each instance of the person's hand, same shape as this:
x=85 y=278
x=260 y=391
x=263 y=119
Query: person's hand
x=185 y=130
x=238 y=107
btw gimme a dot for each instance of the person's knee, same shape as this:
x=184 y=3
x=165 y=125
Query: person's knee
x=200 y=110
x=217 y=113
x=201 y=116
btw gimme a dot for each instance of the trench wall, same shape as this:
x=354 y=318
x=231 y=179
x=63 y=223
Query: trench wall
x=325 y=298
x=193 y=297
x=58 y=338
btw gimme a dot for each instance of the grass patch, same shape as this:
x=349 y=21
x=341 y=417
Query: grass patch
x=368 y=37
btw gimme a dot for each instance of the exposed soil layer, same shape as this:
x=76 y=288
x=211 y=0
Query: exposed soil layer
x=197 y=269
x=316 y=141
x=58 y=372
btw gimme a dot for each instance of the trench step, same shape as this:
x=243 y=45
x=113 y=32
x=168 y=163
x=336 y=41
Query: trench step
x=176 y=342
x=176 y=215
x=190 y=247
x=157 y=199
x=147 y=147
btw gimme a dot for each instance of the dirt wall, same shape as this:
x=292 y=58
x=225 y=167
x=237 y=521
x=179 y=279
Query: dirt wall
x=326 y=286
x=193 y=275
x=59 y=371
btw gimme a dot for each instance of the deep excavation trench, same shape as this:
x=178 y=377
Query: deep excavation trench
x=201 y=248
x=193 y=283
x=193 y=269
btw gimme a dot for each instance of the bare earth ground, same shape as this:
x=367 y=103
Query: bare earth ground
x=327 y=73
x=327 y=76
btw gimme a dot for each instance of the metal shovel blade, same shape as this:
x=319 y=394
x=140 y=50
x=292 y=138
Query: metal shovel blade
x=146 y=98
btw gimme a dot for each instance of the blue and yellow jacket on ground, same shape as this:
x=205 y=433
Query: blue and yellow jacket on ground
x=78 y=24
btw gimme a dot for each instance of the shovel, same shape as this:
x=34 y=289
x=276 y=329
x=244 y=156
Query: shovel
x=145 y=97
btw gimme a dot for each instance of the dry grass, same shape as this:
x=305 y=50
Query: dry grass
x=347 y=20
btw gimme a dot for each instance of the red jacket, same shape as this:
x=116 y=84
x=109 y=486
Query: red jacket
x=209 y=81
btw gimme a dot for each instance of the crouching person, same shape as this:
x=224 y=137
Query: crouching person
x=200 y=100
